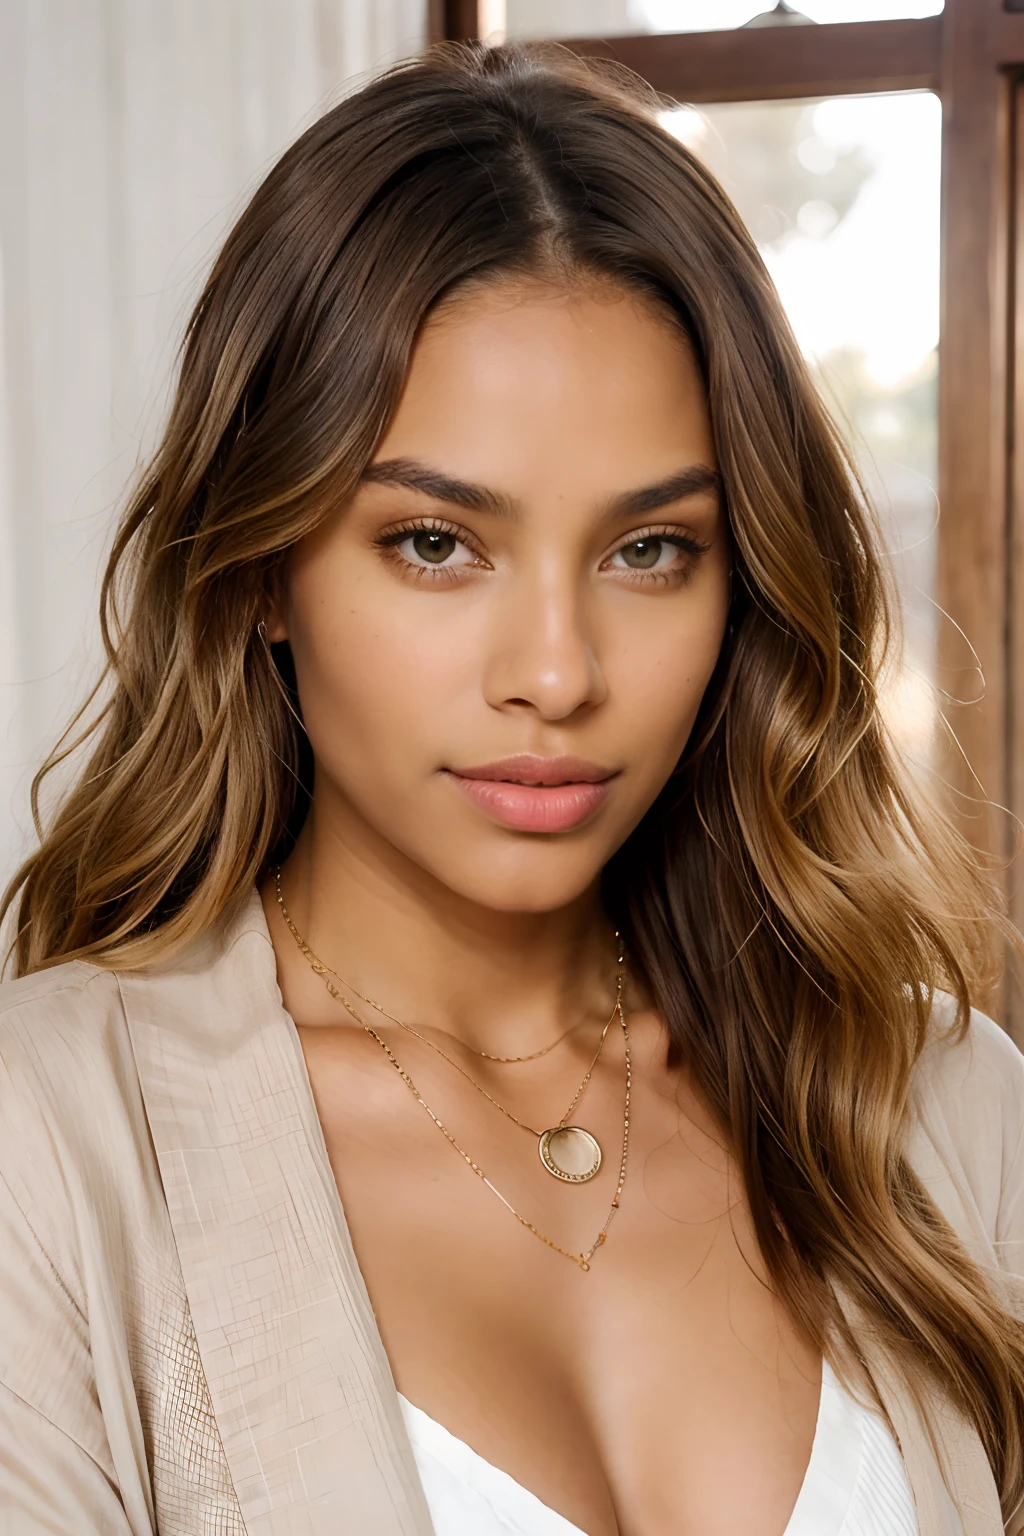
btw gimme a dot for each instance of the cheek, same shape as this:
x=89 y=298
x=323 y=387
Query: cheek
x=659 y=665
x=375 y=677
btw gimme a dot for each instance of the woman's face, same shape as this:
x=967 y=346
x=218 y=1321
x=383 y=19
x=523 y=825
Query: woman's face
x=535 y=566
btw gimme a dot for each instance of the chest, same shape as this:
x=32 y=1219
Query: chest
x=667 y=1381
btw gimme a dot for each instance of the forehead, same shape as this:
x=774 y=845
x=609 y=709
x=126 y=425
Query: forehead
x=531 y=383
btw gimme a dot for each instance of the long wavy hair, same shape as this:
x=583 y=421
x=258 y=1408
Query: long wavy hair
x=793 y=902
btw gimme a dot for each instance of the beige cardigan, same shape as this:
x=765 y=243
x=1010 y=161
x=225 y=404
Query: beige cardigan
x=186 y=1343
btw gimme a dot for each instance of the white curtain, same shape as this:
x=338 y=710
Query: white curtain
x=131 y=132
x=573 y=18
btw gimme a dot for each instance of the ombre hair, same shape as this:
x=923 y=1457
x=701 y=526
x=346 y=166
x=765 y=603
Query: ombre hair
x=792 y=900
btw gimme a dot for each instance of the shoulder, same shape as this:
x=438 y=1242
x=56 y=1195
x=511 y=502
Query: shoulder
x=975 y=1075
x=967 y=1106
x=64 y=1047
x=74 y=1152
x=66 y=1006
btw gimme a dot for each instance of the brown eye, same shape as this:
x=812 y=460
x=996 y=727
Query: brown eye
x=659 y=556
x=428 y=549
x=642 y=554
x=433 y=545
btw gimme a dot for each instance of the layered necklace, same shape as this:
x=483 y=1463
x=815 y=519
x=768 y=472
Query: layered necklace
x=568 y=1152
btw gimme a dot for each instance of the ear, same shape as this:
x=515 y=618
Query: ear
x=274 y=611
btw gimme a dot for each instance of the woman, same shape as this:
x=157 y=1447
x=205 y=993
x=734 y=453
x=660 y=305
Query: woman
x=491 y=823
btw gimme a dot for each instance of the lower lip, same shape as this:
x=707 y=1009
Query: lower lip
x=533 y=807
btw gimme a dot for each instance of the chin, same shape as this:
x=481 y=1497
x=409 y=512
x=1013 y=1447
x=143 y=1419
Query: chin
x=519 y=884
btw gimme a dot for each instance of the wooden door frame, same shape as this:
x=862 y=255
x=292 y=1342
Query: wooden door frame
x=972 y=55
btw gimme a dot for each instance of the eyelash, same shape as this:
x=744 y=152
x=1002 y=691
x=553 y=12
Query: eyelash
x=388 y=543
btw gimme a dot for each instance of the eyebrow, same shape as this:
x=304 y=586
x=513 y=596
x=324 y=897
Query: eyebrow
x=417 y=476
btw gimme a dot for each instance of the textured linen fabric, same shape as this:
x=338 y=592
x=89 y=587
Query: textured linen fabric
x=187 y=1347
x=855 y=1483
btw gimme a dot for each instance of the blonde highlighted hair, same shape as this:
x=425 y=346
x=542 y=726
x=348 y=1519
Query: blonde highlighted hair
x=792 y=902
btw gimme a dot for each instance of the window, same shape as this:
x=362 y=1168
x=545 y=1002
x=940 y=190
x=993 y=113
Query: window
x=609 y=18
x=842 y=197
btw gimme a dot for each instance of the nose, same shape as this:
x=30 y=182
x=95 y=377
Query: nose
x=542 y=653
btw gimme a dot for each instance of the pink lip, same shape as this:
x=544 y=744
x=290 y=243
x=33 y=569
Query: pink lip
x=535 y=794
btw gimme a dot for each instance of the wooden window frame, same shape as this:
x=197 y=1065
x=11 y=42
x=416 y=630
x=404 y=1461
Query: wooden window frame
x=972 y=56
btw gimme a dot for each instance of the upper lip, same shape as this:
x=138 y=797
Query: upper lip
x=526 y=768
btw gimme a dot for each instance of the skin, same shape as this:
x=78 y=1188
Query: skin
x=666 y=1390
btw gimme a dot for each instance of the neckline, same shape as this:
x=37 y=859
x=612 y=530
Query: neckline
x=213 y=1016
x=821 y=1503
x=837 y=1424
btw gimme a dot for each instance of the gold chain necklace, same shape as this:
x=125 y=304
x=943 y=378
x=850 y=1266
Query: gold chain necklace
x=582 y=1259
x=487 y=1056
x=533 y=1056
x=568 y=1152
x=545 y=1050
x=321 y=965
x=492 y=1100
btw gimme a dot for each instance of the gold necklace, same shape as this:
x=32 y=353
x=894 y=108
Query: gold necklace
x=568 y=1152
x=487 y=1056
x=505 y=1060
x=582 y=1259
x=545 y=1154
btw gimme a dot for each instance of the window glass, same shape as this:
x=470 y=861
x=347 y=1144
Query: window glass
x=611 y=18
x=842 y=197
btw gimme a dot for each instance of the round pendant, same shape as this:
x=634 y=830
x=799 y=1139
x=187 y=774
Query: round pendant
x=570 y=1153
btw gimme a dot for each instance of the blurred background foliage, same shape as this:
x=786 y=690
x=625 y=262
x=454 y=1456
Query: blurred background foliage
x=801 y=187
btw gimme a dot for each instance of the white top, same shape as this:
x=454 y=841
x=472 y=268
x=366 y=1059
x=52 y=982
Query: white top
x=855 y=1483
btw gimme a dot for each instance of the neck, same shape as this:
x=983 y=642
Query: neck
x=504 y=982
